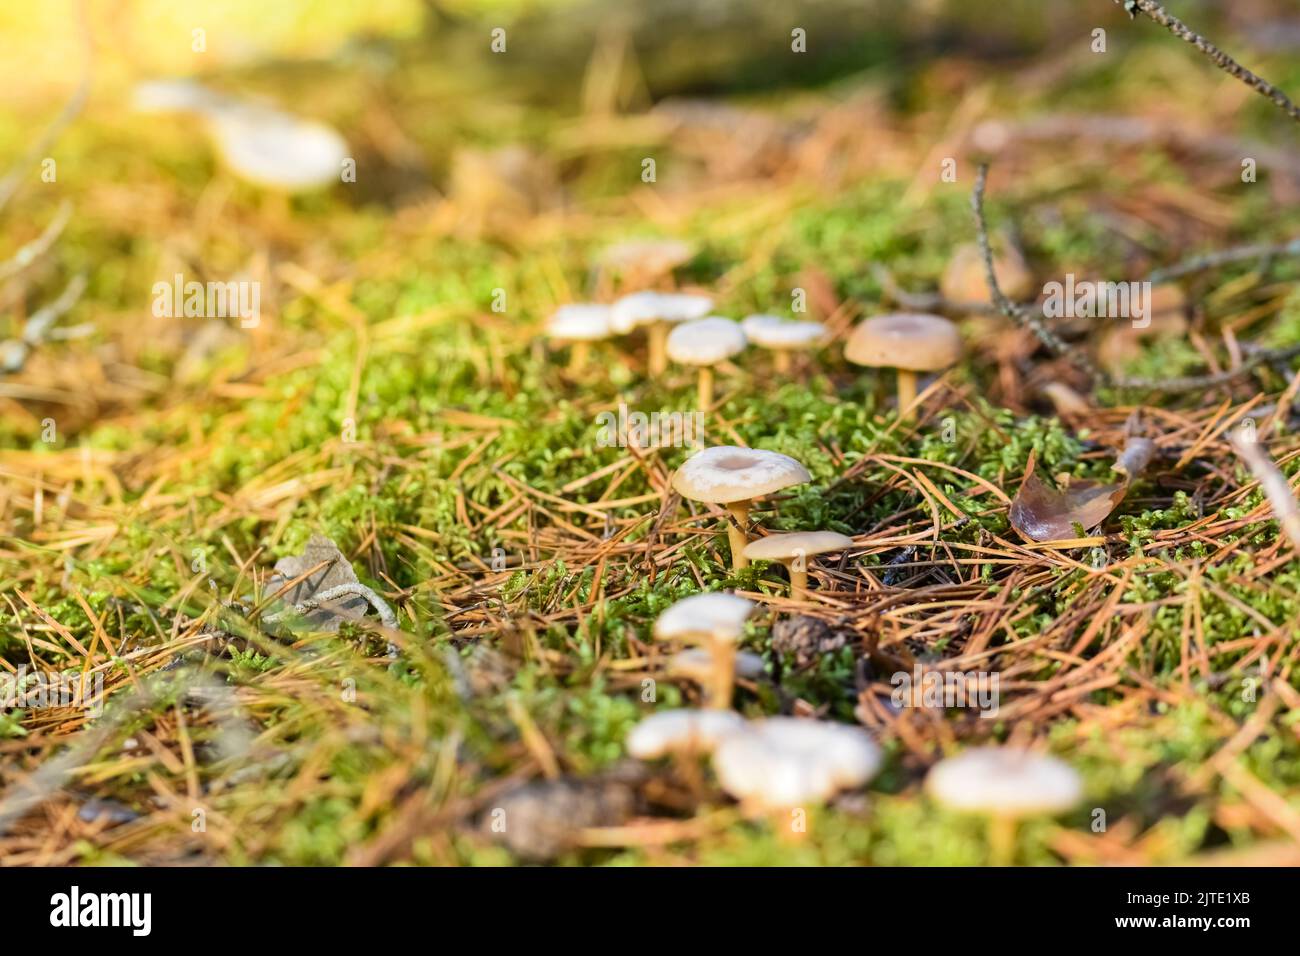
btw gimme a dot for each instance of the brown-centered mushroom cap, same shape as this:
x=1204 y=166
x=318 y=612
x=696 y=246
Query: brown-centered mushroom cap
x=782 y=547
x=727 y=473
x=913 y=341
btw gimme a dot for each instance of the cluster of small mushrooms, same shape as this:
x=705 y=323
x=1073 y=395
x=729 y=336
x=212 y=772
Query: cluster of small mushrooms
x=774 y=765
x=680 y=329
x=679 y=326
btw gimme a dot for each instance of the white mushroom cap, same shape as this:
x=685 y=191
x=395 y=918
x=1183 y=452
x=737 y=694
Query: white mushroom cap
x=1004 y=781
x=705 y=341
x=784 y=761
x=173 y=95
x=641 y=308
x=579 y=322
x=714 y=614
x=727 y=473
x=696 y=664
x=781 y=547
x=693 y=731
x=266 y=146
x=774 y=332
x=277 y=150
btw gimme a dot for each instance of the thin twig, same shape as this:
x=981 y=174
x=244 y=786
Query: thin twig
x=14 y=352
x=33 y=250
x=1212 y=260
x=1026 y=319
x=1016 y=313
x=923 y=301
x=1192 y=383
x=1227 y=64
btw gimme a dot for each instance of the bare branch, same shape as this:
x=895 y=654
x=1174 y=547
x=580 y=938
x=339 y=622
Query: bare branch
x=1212 y=260
x=1027 y=319
x=33 y=250
x=1227 y=64
x=14 y=352
x=1017 y=313
x=1193 y=383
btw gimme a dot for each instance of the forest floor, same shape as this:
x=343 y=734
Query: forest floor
x=154 y=471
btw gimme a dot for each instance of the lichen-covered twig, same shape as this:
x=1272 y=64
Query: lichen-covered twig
x=1154 y=11
x=1017 y=313
x=1192 y=383
x=1026 y=319
x=923 y=301
x=1272 y=482
x=33 y=250
x=14 y=352
x=1212 y=260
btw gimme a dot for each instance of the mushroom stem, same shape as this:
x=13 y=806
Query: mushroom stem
x=1002 y=840
x=657 y=339
x=782 y=820
x=277 y=205
x=783 y=362
x=705 y=399
x=724 y=673
x=579 y=352
x=906 y=393
x=736 y=534
x=688 y=768
x=798 y=580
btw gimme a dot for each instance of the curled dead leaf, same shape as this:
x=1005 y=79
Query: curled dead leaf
x=1041 y=512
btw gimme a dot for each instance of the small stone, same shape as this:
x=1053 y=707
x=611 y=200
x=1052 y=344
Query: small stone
x=542 y=819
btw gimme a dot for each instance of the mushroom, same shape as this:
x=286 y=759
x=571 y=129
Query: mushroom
x=277 y=150
x=792 y=549
x=906 y=341
x=579 y=324
x=733 y=476
x=259 y=143
x=965 y=281
x=705 y=343
x=659 y=311
x=696 y=664
x=645 y=260
x=782 y=336
x=173 y=96
x=682 y=731
x=718 y=620
x=1006 y=784
x=780 y=763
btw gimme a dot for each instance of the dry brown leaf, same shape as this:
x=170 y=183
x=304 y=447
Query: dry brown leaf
x=1041 y=512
